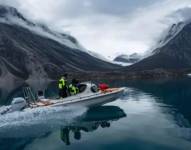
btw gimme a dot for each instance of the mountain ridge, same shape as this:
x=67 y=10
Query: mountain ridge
x=26 y=54
x=132 y=58
x=175 y=53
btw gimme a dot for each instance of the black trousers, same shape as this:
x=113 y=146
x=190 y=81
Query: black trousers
x=63 y=92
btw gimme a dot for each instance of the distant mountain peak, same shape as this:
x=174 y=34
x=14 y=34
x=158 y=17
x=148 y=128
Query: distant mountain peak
x=130 y=59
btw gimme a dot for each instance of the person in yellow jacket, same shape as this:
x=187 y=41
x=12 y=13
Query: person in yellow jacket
x=63 y=86
x=73 y=89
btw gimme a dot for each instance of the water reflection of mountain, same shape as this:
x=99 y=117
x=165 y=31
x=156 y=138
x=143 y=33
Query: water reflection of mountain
x=176 y=93
x=96 y=117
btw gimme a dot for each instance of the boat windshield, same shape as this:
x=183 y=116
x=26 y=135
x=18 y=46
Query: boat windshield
x=82 y=87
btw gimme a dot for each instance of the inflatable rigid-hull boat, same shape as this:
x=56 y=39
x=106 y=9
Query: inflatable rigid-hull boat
x=90 y=99
x=89 y=96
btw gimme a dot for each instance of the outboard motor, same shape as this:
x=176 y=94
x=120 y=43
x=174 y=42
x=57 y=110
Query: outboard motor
x=18 y=104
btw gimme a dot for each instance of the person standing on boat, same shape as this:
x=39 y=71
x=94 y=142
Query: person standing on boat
x=63 y=86
x=73 y=88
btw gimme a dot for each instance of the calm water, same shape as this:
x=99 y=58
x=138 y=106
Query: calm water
x=151 y=115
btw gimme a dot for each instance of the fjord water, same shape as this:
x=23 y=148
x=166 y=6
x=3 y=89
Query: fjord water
x=150 y=115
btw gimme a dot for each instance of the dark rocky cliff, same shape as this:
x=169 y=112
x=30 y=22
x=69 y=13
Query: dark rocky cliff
x=175 y=54
x=25 y=54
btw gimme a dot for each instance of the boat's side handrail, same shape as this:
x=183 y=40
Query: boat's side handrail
x=29 y=95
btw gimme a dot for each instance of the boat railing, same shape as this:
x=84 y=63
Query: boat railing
x=29 y=95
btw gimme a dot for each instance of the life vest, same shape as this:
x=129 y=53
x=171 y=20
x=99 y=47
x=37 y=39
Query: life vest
x=73 y=89
x=61 y=83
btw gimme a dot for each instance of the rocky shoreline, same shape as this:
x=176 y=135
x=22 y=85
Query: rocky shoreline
x=137 y=75
x=114 y=75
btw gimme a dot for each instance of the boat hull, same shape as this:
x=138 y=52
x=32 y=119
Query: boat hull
x=89 y=100
x=92 y=101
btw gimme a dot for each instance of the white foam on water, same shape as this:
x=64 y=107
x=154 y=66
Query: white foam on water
x=35 y=119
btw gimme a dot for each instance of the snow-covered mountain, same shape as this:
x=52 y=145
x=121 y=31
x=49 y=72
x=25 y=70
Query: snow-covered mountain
x=181 y=18
x=168 y=35
x=172 y=52
x=30 y=50
x=128 y=59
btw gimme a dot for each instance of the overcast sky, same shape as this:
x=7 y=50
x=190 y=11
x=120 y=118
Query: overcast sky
x=108 y=27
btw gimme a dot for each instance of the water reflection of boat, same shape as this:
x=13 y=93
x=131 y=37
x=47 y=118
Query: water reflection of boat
x=89 y=96
x=24 y=134
x=27 y=128
x=94 y=118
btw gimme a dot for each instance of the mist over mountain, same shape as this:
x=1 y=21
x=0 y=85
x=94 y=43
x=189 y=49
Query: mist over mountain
x=128 y=59
x=31 y=51
x=172 y=52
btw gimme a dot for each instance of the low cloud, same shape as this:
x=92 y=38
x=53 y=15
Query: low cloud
x=108 y=27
